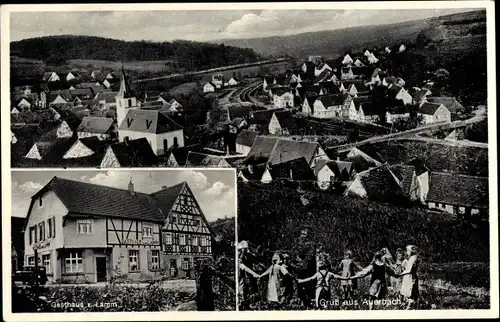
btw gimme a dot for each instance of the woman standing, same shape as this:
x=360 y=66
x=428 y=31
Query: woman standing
x=245 y=276
x=273 y=285
x=409 y=285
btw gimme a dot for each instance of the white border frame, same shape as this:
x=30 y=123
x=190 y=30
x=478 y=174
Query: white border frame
x=251 y=315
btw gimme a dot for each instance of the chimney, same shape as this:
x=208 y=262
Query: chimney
x=131 y=187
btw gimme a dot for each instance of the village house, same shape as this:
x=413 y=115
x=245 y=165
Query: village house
x=308 y=67
x=209 y=87
x=282 y=123
x=87 y=151
x=450 y=103
x=363 y=110
x=100 y=127
x=325 y=106
x=111 y=75
x=130 y=153
x=458 y=194
x=292 y=170
x=111 y=83
x=49 y=150
x=72 y=76
x=252 y=172
x=24 y=105
x=177 y=157
x=434 y=113
x=322 y=68
x=97 y=75
x=372 y=59
x=261 y=149
x=399 y=93
x=14 y=111
x=86 y=233
x=268 y=81
x=244 y=141
x=354 y=88
x=347 y=60
x=286 y=150
x=346 y=73
x=218 y=80
x=282 y=98
x=358 y=63
x=50 y=77
x=329 y=172
x=378 y=184
x=174 y=106
x=258 y=121
x=370 y=155
x=396 y=110
x=420 y=95
x=106 y=100
x=197 y=159
x=233 y=81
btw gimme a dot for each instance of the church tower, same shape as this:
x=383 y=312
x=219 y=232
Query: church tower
x=124 y=99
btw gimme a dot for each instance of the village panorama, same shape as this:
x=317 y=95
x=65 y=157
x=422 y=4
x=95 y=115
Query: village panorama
x=359 y=157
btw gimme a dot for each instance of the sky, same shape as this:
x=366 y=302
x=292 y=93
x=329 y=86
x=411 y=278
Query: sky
x=203 y=25
x=215 y=190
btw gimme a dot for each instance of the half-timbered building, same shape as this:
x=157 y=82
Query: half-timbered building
x=87 y=233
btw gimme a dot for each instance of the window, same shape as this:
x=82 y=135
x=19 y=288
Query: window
x=32 y=235
x=165 y=144
x=182 y=239
x=46 y=262
x=84 y=226
x=129 y=102
x=176 y=239
x=168 y=238
x=74 y=262
x=176 y=144
x=41 y=231
x=31 y=260
x=195 y=240
x=185 y=263
x=40 y=202
x=49 y=223
x=155 y=259
x=147 y=231
x=133 y=260
x=203 y=241
x=173 y=219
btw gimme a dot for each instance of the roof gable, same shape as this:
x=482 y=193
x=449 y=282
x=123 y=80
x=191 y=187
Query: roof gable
x=286 y=150
x=459 y=190
x=149 y=121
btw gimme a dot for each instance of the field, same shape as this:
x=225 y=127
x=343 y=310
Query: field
x=454 y=272
x=465 y=160
x=184 y=89
x=89 y=65
x=252 y=71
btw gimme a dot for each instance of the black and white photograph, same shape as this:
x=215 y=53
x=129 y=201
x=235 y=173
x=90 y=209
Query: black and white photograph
x=114 y=241
x=273 y=160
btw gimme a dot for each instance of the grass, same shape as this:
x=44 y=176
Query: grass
x=184 y=89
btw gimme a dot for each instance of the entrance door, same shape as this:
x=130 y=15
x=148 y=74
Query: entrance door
x=173 y=268
x=100 y=268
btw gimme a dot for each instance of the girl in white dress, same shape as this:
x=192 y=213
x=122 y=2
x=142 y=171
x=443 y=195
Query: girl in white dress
x=409 y=285
x=273 y=285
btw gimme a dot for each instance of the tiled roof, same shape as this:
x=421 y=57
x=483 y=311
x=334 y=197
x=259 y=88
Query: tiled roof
x=404 y=173
x=134 y=153
x=261 y=148
x=90 y=199
x=196 y=159
x=418 y=96
x=449 y=102
x=93 y=124
x=280 y=91
x=380 y=184
x=108 y=97
x=360 y=163
x=181 y=154
x=286 y=120
x=149 y=121
x=342 y=169
x=295 y=169
x=333 y=99
x=52 y=151
x=429 y=108
x=246 y=137
x=458 y=190
x=286 y=150
x=238 y=110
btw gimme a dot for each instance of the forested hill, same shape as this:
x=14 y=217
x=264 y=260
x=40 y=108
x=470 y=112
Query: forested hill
x=184 y=54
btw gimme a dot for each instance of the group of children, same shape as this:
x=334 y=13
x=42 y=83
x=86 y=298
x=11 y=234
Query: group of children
x=400 y=275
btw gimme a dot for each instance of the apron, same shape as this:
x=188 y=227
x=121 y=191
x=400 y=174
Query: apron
x=322 y=288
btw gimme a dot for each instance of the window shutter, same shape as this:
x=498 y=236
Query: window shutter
x=160 y=260
x=150 y=268
x=53 y=227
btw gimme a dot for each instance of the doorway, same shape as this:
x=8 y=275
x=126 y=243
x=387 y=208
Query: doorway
x=100 y=268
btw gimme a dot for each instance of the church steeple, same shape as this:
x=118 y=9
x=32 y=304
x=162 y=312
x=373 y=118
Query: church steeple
x=124 y=99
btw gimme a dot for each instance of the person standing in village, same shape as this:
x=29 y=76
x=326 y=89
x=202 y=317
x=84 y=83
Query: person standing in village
x=306 y=265
x=247 y=277
x=324 y=280
x=389 y=262
x=348 y=268
x=409 y=286
x=378 y=283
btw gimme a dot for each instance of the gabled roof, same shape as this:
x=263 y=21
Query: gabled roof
x=342 y=169
x=134 y=153
x=419 y=95
x=261 y=117
x=450 y=103
x=282 y=80
x=360 y=163
x=246 y=137
x=404 y=173
x=93 y=124
x=380 y=184
x=52 y=150
x=149 y=121
x=91 y=199
x=238 y=110
x=210 y=83
x=279 y=91
x=286 y=120
x=459 y=190
x=261 y=149
x=181 y=154
x=429 y=108
x=360 y=86
x=108 y=97
x=196 y=159
x=333 y=99
x=286 y=150
x=295 y=169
